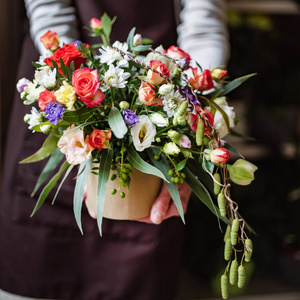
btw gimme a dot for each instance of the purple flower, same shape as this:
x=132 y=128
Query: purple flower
x=81 y=47
x=54 y=112
x=183 y=63
x=130 y=117
x=190 y=95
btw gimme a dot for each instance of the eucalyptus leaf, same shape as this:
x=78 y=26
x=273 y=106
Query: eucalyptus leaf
x=116 y=123
x=233 y=150
x=130 y=38
x=47 y=189
x=208 y=165
x=83 y=173
x=52 y=163
x=141 y=48
x=181 y=165
x=104 y=171
x=48 y=147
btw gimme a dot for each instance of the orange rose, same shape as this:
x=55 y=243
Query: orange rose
x=155 y=78
x=147 y=95
x=202 y=81
x=67 y=53
x=87 y=86
x=45 y=98
x=99 y=139
x=50 y=40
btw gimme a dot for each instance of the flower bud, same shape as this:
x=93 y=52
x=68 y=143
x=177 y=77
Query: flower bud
x=159 y=120
x=181 y=120
x=50 y=40
x=219 y=156
x=166 y=89
x=137 y=40
x=171 y=149
x=124 y=105
x=95 y=23
x=218 y=74
x=172 y=134
x=182 y=140
x=21 y=84
x=242 y=172
x=81 y=47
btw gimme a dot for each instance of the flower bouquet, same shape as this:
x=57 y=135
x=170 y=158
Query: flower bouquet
x=114 y=111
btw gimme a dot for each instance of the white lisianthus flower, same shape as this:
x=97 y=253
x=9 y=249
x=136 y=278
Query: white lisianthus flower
x=171 y=148
x=159 y=120
x=172 y=102
x=46 y=77
x=32 y=93
x=143 y=133
x=166 y=89
x=137 y=40
x=109 y=55
x=34 y=118
x=219 y=122
x=115 y=77
x=21 y=84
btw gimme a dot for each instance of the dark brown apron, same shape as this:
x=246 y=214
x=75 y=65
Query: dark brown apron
x=46 y=256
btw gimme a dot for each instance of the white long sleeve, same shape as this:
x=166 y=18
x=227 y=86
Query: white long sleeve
x=203 y=32
x=57 y=16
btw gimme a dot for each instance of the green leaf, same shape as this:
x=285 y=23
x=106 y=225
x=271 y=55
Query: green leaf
x=48 y=188
x=107 y=23
x=83 y=173
x=80 y=115
x=48 y=147
x=141 y=48
x=202 y=193
x=104 y=171
x=52 y=163
x=232 y=149
x=164 y=167
x=116 y=123
x=134 y=158
x=181 y=165
x=208 y=165
x=130 y=38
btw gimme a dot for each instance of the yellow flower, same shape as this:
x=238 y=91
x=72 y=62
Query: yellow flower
x=66 y=95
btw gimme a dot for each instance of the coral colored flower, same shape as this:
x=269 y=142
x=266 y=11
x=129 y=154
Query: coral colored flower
x=177 y=53
x=50 y=40
x=95 y=23
x=45 y=98
x=202 y=81
x=67 y=53
x=99 y=139
x=87 y=86
x=155 y=78
x=218 y=74
x=54 y=112
x=219 y=156
x=147 y=95
x=66 y=95
x=194 y=119
x=73 y=145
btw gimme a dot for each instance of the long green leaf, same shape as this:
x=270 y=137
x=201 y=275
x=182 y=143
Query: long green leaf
x=202 y=193
x=47 y=189
x=48 y=147
x=141 y=165
x=130 y=38
x=104 y=170
x=83 y=173
x=116 y=123
x=141 y=48
x=52 y=163
x=233 y=150
x=164 y=167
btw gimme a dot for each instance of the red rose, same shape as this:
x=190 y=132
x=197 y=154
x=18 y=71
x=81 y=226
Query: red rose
x=155 y=78
x=87 y=86
x=176 y=52
x=194 y=119
x=203 y=81
x=50 y=40
x=45 y=98
x=67 y=53
x=99 y=139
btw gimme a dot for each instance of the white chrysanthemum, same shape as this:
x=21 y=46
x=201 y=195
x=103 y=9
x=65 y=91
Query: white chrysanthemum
x=115 y=77
x=156 y=56
x=109 y=55
x=47 y=53
x=32 y=93
x=172 y=102
x=34 y=118
x=46 y=77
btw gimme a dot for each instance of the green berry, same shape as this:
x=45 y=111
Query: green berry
x=156 y=156
x=171 y=172
x=113 y=191
x=113 y=177
x=176 y=180
x=122 y=195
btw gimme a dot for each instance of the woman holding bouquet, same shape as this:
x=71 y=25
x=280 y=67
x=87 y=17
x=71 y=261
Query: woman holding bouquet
x=46 y=256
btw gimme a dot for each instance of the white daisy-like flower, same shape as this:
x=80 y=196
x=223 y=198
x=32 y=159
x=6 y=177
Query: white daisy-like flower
x=32 y=93
x=34 y=118
x=115 y=77
x=109 y=55
x=46 y=77
x=172 y=102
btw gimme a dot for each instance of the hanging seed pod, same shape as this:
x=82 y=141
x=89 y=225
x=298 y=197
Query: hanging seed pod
x=199 y=133
x=181 y=110
x=217 y=187
x=222 y=204
x=249 y=250
x=233 y=273
x=227 y=233
x=224 y=286
x=227 y=249
x=234 y=231
x=241 y=276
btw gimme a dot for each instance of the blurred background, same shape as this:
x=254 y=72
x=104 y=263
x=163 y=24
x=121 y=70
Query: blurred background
x=264 y=37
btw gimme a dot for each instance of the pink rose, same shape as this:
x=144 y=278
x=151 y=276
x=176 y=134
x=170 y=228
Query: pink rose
x=73 y=145
x=95 y=23
x=155 y=78
x=175 y=52
x=147 y=95
x=203 y=81
x=99 y=139
x=50 y=40
x=45 y=98
x=219 y=156
x=87 y=86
